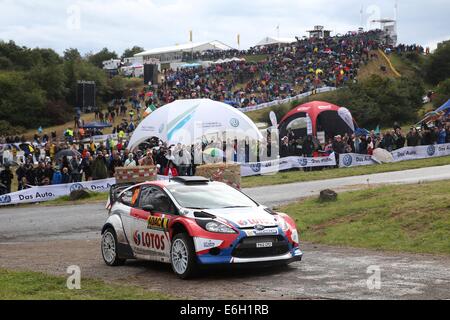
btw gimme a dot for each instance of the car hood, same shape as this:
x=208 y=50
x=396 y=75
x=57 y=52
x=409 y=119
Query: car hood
x=246 y=217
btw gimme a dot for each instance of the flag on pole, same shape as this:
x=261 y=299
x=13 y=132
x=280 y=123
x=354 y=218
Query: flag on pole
x=190 y=35
x=239 y=39
x=149 y=110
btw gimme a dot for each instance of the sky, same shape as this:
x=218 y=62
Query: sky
x=91 y=25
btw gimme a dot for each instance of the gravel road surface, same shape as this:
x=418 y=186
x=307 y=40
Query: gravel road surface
x=50 y=239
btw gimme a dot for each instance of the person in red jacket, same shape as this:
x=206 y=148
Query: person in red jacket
x=171 y=170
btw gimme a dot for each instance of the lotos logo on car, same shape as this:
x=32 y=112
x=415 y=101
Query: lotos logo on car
x=137 y=238
x=149 y=240
x=431 y=150
x=348 y=160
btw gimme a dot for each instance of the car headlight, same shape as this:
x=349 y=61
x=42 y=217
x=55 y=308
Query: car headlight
x=217 y=227
x=282 y=224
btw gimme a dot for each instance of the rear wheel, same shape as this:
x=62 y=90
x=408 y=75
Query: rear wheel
x=109 y=249
x=183 y=256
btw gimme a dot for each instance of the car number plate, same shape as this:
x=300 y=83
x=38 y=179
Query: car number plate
x=264 y=245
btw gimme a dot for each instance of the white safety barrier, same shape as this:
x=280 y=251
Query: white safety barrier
x=287 y=100
x=274 y=166
x=52 y=192
x=47 y=193
x=348 y=160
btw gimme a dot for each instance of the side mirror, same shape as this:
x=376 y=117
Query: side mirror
x=149 y=208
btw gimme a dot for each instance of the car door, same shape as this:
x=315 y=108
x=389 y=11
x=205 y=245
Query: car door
x=151 y=239
x=124 y=206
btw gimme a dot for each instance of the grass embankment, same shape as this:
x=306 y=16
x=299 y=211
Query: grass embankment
x=409 y=218
x=38 y=286
x=300 y=176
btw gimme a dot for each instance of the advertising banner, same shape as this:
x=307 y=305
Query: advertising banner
x=421 y=152
x=47 y=193
x=348 y=160
x=274 y=166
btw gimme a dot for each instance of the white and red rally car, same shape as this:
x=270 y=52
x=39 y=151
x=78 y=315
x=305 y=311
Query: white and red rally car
x=190 y=222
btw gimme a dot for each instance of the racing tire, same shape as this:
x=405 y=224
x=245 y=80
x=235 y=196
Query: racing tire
x=109 y=247
x=183 y=257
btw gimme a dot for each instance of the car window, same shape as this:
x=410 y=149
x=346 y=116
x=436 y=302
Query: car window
x=130 y=197
x=157 y=198
x=210 y=196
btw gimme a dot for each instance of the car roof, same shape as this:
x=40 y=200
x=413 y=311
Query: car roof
x=191 y=181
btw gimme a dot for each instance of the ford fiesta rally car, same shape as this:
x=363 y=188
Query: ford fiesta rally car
x=189 y=222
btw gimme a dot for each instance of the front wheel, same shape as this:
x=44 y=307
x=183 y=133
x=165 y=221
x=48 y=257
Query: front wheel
x=183 y=257
x=109 y=249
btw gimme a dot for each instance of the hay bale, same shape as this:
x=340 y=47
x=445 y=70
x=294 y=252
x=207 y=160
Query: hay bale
x=328 y=195
x=229 y=173
x=136 y=174
x=79 y=195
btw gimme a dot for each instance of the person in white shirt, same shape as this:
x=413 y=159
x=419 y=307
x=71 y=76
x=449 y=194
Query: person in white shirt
x=130 y=162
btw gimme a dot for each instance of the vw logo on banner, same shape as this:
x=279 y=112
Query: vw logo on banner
x=76 y=187
x=431 y=150
x=303 y=162
x=256 y=167
x=347 y=160
x=5 y=199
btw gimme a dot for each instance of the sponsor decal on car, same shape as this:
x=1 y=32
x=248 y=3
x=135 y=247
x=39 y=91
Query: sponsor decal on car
x=157 y=223
x=149 y=240
x=202 y=244
x=265 y=232
x=250 y=222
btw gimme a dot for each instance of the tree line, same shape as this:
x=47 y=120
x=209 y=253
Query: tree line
x=38 y=86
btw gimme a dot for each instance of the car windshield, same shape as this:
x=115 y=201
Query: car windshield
x=210 y=196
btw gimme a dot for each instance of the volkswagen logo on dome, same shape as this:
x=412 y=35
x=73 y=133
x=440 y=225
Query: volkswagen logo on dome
x=256 y=167
x=234 y=122
x=348 y=160
x=76 y=187
x=5 y=199
x=431 y=150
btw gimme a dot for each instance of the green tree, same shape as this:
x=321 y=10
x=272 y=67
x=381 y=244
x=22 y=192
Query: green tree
x=437 y=68
x=442 y=93
x=103 y=55
x=132 y=51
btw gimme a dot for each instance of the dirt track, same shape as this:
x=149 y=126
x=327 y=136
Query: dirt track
x=326 y=272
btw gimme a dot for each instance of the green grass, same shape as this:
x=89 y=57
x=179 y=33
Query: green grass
x=38 y=286
x=300 y=176
x=93 y=197
x=407 y=218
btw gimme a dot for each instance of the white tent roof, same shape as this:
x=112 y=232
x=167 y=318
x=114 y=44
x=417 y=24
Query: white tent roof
x=189 y=121
x=273 y=40
x=196 y=46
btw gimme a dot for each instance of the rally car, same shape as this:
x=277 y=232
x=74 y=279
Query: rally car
x=191 y=222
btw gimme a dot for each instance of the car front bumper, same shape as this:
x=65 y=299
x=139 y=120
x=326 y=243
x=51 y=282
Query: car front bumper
x=294 y=255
